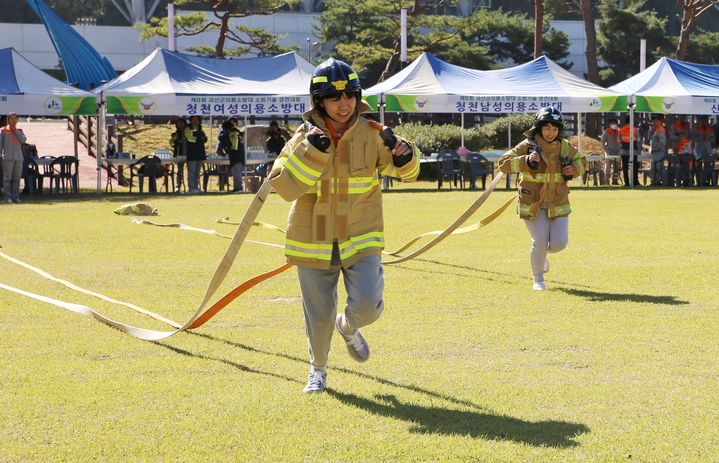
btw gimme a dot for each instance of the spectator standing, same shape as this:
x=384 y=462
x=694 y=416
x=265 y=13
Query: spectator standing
x=11 y=140
x=196 y=153
x=679 y=131
x=658 y=150
x=230 y=141
x=612 y=142
x=275 y=140
x=625 y=134
x=178 y=142
x=704 y=157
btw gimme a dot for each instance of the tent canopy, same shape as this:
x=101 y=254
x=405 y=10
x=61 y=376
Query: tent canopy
x=25 y=89
x=167 y=83
x=429 y=84
x=674 y=87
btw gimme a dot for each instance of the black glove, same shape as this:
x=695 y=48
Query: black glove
x=319 y=141
x=566 y=162
x=534 y=165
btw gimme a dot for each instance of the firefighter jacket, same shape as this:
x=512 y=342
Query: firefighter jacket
x=545 y=186
x=336 y=195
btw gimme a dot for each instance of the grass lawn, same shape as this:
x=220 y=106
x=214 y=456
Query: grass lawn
x=618 y=361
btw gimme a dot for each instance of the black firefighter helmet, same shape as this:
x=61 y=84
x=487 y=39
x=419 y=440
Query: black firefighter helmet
x=332 y=78
x=548 y=114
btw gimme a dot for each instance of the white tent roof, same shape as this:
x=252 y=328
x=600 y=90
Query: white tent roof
x=168 y=82
x=674 y=87
x=431 y=85
x=25 y=89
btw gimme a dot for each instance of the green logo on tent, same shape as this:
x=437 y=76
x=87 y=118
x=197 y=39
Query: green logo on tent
x=130 y=105
x=655 y=104
x=606 y=104
x=66 y=105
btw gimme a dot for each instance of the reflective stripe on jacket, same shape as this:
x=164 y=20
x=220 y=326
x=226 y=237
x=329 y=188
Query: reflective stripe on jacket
x=337 y=196
x=545 y=185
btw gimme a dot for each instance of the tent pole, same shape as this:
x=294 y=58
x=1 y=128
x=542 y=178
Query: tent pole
x=100 y=145
x=461 y=131
x=509 y=143
x=579 y=132
x=631 y=146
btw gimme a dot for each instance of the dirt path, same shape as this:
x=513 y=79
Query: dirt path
x=52 y=138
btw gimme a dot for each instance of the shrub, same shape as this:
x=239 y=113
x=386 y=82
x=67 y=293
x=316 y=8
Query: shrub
x=493 y=135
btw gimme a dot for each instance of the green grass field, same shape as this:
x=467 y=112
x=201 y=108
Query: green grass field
x=618 y=361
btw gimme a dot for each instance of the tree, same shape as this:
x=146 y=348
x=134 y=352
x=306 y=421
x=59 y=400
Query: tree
x=538 y=23
x=691 y=11
x=255 y=40
x=364 y=34
x=620 y=31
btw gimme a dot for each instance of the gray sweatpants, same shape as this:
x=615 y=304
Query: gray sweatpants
x=11 y=172
x=364 y=283
x=548 y=236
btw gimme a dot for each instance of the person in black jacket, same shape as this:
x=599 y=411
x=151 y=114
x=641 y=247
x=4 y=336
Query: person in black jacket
x=230 y=142
x=196 y=139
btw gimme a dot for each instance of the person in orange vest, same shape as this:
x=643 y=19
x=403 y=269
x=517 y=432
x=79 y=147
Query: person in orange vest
x=704 y=157
x=625 y=136
x=612 y=143
x=658 y=150
x=679 y=162
x=11 y=140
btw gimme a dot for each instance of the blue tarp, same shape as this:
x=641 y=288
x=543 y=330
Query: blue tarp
x=674 y=87
x=83 y=65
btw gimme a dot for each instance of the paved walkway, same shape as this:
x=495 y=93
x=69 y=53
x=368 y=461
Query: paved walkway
x=52 y=138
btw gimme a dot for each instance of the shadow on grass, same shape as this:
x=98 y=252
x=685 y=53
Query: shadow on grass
x=478 y=422
x=489 y=275
x=624 y=297
x=239 y=366
x=468 y=423
x=378 y=379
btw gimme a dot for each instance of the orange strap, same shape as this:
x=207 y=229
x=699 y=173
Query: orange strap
x=235 y=293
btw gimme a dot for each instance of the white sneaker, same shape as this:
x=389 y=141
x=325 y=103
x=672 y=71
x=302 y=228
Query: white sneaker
x=316 y=382
x=356 y=345
x=546 y=265
x=539 y=286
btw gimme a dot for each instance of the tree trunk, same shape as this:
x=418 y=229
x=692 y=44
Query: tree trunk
x=224 y=26
x=593 y=119
x=538 y=23
x=691 y=10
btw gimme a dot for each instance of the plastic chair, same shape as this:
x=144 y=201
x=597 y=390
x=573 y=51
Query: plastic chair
x=149 y=167
x=449 y=168
x=45 y=171
x=222 y=172
x=64 y=172
x=479 y=166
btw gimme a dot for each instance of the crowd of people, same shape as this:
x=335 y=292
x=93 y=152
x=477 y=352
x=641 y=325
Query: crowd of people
x=188 y=141
x=683 y=154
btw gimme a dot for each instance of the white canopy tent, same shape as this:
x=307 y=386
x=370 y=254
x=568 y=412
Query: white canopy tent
x=429 y=84
x=674 y=87
x=172 y=83
x=26 y=89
